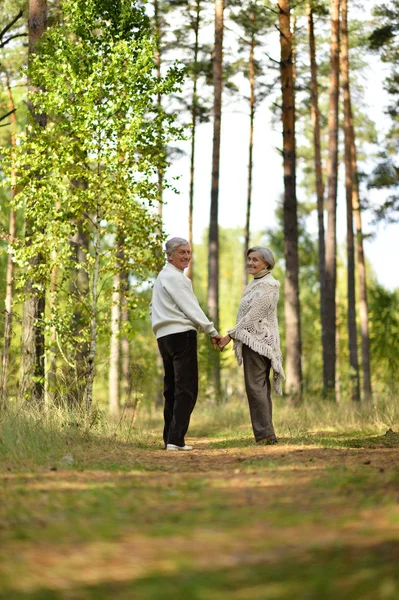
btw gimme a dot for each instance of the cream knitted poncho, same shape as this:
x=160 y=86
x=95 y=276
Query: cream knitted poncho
x=257 y=325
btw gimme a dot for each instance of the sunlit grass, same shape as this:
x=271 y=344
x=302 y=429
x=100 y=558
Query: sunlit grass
x=31 y=437
x=94 y=508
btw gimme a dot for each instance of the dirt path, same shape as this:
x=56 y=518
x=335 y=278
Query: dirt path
x=134 y=522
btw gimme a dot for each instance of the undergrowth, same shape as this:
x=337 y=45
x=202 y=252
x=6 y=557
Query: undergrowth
x=30 y=436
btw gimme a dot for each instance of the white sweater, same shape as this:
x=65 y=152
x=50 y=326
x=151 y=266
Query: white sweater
x=174 y=307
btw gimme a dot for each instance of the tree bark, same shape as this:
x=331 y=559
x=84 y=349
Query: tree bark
x=80 y=290
x=51 y=379
x=125 y=346
x=213 y=259
x=114 y=355
x=291 y=304
x=93 y=324
x=351 y=310
x=251 y=76
x=10 y=264
x=329 y=366
x=315 y=112
x=33 y=344
x=361 y=265
x=158 y=62
x=194 y=111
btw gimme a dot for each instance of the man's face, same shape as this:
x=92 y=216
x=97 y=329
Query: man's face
x=180 y=257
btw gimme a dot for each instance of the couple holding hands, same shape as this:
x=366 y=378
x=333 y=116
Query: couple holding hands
x=176 y=315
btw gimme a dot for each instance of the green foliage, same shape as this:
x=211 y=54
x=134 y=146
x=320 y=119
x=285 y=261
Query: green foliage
x=384 y=331
x=384 y=40
x=92 y=169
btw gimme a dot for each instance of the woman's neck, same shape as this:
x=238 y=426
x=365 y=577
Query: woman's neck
x=262 y=273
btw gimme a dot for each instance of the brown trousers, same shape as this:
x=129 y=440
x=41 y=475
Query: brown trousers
x=258 y=388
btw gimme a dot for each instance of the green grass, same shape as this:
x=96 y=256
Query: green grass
x=313 y=517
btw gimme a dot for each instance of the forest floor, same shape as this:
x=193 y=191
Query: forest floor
x=312 y=519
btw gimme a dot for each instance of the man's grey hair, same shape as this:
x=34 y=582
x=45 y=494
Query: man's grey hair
x=173 y=243
x=265 y=254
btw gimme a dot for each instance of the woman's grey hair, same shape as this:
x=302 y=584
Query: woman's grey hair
x=265 y=254
x=173 y=243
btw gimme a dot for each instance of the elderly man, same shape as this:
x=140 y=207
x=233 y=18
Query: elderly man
x=176 y=315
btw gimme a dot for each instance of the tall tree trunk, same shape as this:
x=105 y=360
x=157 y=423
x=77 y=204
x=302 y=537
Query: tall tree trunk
x=10 y=263
x=158 y=63
x=114 y=363
x=251 y=76
x=51 y=379
x=319 y=174
x=213 y=259
x=291 y=305
x=361 y=265
x=352 y=330
x=125 y=346
x=94 y=316
x=194 y=112
x=332 y=174
x=80 y=290
x=33 y=344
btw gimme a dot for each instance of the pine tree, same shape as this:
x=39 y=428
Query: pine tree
x=291 y=291
x=329 y=362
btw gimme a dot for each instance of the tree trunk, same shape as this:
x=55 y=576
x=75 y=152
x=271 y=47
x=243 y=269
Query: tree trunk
x=291 y=305
x=352 y=330
x=114 y=364
x=125 y=346
x=319 y=175
x=251 y=76
x=194 y=111
x=213 y=259
x=33 y=344
x=158 y=62
x=93 y=325
x=80 y=290
x=10 y=263
x=332 y=174
x=51 y=379
x=361 y=265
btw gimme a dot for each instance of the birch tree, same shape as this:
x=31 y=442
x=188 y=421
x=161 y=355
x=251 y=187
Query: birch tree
x=33 y=348
x=108 y=138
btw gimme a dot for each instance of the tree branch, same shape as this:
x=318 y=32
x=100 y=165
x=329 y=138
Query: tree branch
x=8 y=114
x=12 y=37
x=273 y=59
x=11 y=23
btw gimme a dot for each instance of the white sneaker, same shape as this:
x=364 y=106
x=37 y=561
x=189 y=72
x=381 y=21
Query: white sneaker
x=174 y=447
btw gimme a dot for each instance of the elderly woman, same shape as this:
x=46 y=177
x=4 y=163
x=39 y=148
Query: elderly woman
x=257 y=341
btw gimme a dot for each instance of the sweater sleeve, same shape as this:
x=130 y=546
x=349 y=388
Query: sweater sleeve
x=186 y=300
x=256 y=311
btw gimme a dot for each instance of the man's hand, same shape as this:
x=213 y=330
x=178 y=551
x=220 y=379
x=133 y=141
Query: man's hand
x=223 y=342
x=215 y=341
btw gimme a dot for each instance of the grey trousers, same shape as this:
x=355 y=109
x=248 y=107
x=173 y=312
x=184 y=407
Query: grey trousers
x=258 y=388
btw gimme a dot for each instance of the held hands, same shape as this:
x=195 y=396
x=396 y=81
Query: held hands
x=223 y=342
x=215 y=341
x=220 y=342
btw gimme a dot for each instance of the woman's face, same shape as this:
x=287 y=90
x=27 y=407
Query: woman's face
x=255 y=263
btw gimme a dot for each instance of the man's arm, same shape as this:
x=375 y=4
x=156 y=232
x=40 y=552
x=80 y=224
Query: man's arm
x=186 y=300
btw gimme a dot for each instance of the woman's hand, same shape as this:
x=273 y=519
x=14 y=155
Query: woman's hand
x=223 y=342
